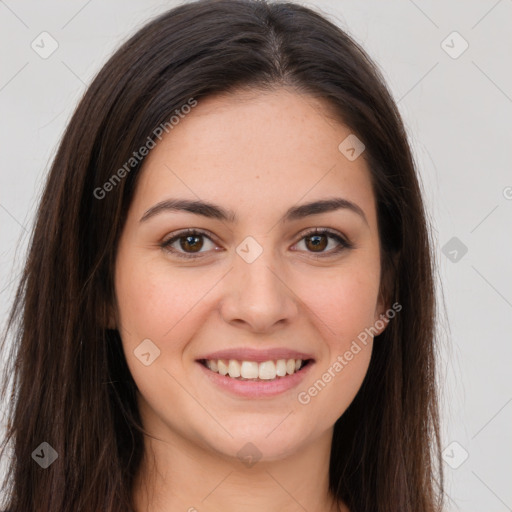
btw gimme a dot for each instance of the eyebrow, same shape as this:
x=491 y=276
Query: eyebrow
x=213 y=211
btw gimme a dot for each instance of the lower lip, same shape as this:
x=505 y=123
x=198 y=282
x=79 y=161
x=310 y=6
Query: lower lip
x=257 y=389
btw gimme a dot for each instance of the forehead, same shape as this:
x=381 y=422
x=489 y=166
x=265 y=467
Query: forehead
x=255 y=151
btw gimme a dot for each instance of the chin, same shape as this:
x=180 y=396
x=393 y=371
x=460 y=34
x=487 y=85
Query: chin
x=251 y=444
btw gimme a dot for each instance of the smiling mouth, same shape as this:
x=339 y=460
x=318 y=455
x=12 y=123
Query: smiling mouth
x=253 y=371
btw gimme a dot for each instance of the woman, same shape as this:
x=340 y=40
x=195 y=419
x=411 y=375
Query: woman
x=228 y=301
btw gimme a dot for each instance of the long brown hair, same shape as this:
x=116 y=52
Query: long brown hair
x=71 y=386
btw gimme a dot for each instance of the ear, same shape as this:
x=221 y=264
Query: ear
x=381 y=320
x=110 y=316
x=111 y=323
x=388 y=290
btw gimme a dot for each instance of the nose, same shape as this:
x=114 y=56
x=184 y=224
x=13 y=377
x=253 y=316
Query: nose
x=257 y=295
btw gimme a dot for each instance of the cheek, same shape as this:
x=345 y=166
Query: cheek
x=155 y=302
x=345 y=301
x=335 y=384
x=344 y=307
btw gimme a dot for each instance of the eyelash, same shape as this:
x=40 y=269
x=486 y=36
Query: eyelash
x=344 y=244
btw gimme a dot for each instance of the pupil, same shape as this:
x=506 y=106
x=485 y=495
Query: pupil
x=318 y=244
x=187 y=241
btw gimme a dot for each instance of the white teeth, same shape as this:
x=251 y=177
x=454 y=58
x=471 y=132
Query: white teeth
x=234 y=368
x=249 y=370
x=267 y=370
x=281 y=368
x=222 y=366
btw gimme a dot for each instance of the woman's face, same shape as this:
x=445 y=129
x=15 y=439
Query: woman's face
x=255 y=288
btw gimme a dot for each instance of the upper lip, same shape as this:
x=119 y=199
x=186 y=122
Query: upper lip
x=259 y=356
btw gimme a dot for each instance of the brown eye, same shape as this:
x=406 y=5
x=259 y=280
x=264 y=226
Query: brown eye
x=316 y=242
x=187 y=244
x=191 y=243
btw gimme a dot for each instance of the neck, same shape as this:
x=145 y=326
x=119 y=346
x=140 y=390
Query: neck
x=179 y=474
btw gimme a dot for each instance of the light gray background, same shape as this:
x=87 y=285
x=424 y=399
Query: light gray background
x=458 y=114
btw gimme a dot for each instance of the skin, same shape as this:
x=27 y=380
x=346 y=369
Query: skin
x=257 y=153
